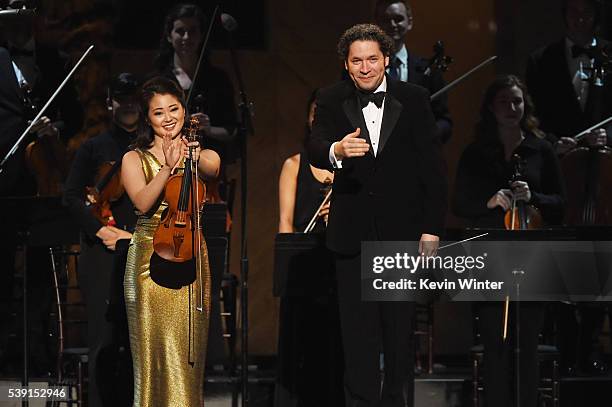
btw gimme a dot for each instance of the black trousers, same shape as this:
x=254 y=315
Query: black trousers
x=367 y=329
x=499 y=379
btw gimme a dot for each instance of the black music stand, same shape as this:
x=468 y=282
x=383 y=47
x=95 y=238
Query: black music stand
x=40 y=222
x=309 y=343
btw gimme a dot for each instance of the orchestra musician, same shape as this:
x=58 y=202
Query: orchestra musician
x=397 y=19
x=309 y=332
x=368 y=130
x=212 y=94
x=484 y=193
x=30 y=71
x=168 y=331
x=98 y=239
x=568 y=101
x=302 y=188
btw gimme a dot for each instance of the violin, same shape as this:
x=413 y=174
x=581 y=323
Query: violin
x=108 y=189
x=521 y=216
x=45 y=157
x=179 y=234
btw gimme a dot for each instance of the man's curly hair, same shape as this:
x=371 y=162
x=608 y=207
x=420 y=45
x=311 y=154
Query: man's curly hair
x=364 y=32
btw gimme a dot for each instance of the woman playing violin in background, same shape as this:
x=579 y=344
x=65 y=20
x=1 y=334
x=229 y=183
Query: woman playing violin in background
x=167 y=334
x=301 y=188
x=507 y=127
x=484 y=193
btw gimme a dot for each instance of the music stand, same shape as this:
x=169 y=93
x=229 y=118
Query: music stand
x=40 y=222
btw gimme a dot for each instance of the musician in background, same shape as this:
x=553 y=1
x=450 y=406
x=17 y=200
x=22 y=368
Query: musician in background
x=483 y=194
x=568 y=102
x=309 y=333
x=396 y=18
x=29 y=70
x=302 y=188
x=99 y=241
x=213 y=95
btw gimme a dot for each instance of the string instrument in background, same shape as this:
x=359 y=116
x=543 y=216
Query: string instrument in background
x=521 y=215
x=439 y=61
x=46 y=157
x=588 y=179
x=108 y=189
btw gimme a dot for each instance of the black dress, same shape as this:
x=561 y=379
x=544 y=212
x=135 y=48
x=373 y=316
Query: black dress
x=308 y=197
x=481 y=173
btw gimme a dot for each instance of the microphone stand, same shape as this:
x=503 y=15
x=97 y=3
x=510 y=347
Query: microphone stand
x=244 y=129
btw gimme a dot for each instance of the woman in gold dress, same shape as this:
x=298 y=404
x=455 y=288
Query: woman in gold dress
x=168 y=327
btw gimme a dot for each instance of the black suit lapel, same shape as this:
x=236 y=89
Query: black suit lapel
x=391 y=114
x=565 y=78
x=7 y=72
x=352 y=109
x=415 y=69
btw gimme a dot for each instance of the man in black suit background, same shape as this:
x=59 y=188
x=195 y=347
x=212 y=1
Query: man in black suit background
x=379 y=137
x=567 y=104
x=28 y=68
x=397 y=19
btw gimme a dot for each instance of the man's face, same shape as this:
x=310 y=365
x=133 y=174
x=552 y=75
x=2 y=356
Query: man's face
x=125 y=111
x=395 y=20
x=580 y=20
x=366 y=64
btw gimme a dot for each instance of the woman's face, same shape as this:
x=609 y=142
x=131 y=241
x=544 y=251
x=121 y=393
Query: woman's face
x=508 y=107
x=166 y=115
x=185 y=35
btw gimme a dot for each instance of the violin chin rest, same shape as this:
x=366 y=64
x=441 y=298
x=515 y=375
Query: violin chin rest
x=172 y=274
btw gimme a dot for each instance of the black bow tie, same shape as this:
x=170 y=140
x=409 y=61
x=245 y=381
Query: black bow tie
x=376 y=98
x=577 y=50
x=18 y=52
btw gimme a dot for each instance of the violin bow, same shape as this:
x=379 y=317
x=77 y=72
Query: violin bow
x=463 y=77
x=197 y=71
x=602 y=123
x=42 y=111
x=313 y=221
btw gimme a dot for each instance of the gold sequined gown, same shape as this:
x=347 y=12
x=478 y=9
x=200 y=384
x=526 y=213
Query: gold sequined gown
x=159 y=320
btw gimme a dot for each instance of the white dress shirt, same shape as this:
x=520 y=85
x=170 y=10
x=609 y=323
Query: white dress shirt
x=402 y=56
x=373 y=116
x=581 y=87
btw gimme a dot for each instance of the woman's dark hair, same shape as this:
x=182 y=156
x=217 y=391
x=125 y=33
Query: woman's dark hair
x=311 y=99
x=486 y=128
x=182 y=10
x=161 y=86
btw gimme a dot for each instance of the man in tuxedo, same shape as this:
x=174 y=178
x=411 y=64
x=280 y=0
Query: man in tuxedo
x=567 y=104
x=396 y=18
x=378 y=135
x=28 y=68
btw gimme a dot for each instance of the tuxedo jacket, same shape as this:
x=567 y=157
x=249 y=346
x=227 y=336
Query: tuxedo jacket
x=433 y=83
x=550 y=85
x=402 y=191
